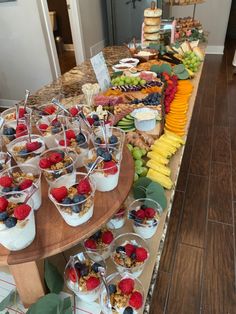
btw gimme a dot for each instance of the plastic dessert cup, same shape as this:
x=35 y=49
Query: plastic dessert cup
x=130 y=254
x=9 y=115
x=16 y=234
x=47 y=110
x=82 y=276
x=127 y=290
x=48 y=126
x=5 y=161
x=115 y=136
x=106 y=176
x=118 y=220
x=21 y=154
x=79 y=212
x=61 y=173
x=95 y=117
x=10 y=132
x=23 y=177
x=98 y=246
x=77 y=142
x=145 y=227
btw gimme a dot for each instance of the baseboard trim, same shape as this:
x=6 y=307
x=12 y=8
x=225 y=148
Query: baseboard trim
x=7 y=103
x=215 y=50
x=69 y=47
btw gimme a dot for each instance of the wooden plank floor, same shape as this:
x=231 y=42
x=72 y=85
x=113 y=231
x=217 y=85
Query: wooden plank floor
x=197 y=267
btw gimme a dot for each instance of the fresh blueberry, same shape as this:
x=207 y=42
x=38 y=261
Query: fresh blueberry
x=133 y=255
x=3 y=215
x=143 y=207
x=84 y=271
x=100 y=151
x=113 y=139
x=15 y=189
x=10 y=222
x=112 y=288
x=55 y=130
x=6 y=189
x=57 y=174
x=120 y=249
x=67 y=201
x=95 y=117
x=23 y=153
x=79 y=265
x=80 y=138
x=96 y=123
x=90 y=164
x=107 y=156
x=95 y=267
x=56 y=124
x=132 y=214
x=79 y=198
x=9 y=131
x=70 y=169
x=128 y=310
x=76 y=209
x=97 y=235
x=98 y=140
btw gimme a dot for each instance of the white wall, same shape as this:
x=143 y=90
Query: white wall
x=214 y=16
x=24 y=63
x=93 y=19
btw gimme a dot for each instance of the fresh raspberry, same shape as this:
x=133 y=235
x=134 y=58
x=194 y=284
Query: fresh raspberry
x=73 y=275
x=25 y=184
x=90 y=120
x=84 y=187
x=22 y=112
x=141 y=254
x=32 y=146
x=22 y=211
x=126 y=286
x=59 y=193
x=6 y=181
x=43 y=126
x=92 y=283
x=107 y=237
x=70 y=134
x=129 y=249
x=150 y=212
x=44 y=163
x=140 y=214
x=49 y=109
x=90 y=244
x=62 y=142
x=3 y=204
x=110 y=167
x=55 y=158
x=21 y=129
x=55 y=122
x=121 y=211
x=136 y=300
x=74 y=111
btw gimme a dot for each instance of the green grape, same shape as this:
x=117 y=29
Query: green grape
x=136 y=177
x=143 y=82
x=138 y=170
x=144 y=171
x=144 y=152
x=128 y=80
x=137 y=148
x=138 y=163
x=135 y=82
x=130 y=147
x=137 y=154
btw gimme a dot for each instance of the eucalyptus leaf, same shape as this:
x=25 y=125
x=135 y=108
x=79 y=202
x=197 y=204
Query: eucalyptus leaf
x=156 y=192
x=53 y=278
x=49 y=304
x=9 y=300
x=140 y=186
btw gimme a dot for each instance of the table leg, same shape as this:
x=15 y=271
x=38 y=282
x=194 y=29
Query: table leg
x=29 y=281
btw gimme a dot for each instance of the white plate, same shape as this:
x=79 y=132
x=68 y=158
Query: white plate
x=122 y=67
x=132 y=61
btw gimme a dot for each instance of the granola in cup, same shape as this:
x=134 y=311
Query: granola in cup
x=9 y=115
x=5 y=161
x=115 y=138
x=118 y=220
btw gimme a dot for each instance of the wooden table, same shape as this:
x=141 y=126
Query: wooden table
x=53 y=235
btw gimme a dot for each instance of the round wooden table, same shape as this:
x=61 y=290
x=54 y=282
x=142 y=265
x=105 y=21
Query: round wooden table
x=54 y=236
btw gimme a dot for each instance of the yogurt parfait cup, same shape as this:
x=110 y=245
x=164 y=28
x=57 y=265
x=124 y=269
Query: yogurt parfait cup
x=126 y=295
x=75 y=203
x=99 y=245
x=118 y=220
x=21 y=178
x=95 y=118
x=83 y=276
x=58 y=167
x=10 y=132
x=5 y=161
x=48 y=109
x=9 y=115
x=145 y=214
x=25 y=152
x=130 y=254
x=17 y=223
x=48 y=126
x=106 y=175
x=77 y=140
x=115 y=138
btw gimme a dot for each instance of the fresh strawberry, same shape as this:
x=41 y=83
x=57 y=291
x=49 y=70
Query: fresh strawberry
x=90 y=120
x=90 y=244
x=22 y=211
x=22 y=112
x=55 y=158
x=150 y=212
x=43 y=126
x=3 y=204
x=6 y=181
x=129 y=249
x=32 y=146
x=136 y=300
x=59 y=193
x=110 y=167
x=70 y=134
x=49 y=109
x=73 y=111
x=92 y=283
x=84 y=187
x=62 y=142
x=126 y=286
x=25 y=184
x=140 y=214
x=141 y=254
x=107 y=237
x=73 y=275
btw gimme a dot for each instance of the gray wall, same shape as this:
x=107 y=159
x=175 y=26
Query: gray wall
x=24 y=61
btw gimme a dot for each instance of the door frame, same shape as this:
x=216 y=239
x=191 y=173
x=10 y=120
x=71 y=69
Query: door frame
x=76 y=30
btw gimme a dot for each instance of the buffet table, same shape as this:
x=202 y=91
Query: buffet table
x=53 y=235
